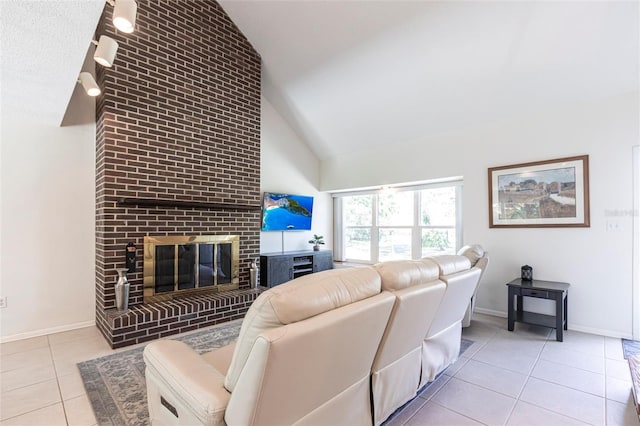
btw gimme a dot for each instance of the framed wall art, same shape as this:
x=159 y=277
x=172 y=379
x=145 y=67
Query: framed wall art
x=552 y=193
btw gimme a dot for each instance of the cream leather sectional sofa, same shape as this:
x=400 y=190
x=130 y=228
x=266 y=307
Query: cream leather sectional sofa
x=340 y=347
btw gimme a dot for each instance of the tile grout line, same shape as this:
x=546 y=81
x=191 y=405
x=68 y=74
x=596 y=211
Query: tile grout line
x=524 y=385
x=606 y=380
x=55 y=370
x=473 y=384
x=436 y=392
x=31 y=411
x=529 y=376
x=42 y=381
x=449 y=409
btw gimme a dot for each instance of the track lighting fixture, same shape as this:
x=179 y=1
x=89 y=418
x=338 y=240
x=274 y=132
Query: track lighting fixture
x=89 y=84
x=106 y=50
x=124 y=14
x=124 y=19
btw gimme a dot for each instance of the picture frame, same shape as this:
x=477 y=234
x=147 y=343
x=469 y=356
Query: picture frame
x=540 y=194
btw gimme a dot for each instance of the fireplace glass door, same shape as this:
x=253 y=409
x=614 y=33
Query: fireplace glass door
x=214 y=264
x=177 y=264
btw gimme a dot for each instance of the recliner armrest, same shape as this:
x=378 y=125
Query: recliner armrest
x=189 y=377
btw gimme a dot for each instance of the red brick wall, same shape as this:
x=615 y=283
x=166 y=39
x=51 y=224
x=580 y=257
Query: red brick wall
x=179 y=119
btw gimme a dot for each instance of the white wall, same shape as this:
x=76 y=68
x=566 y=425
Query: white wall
x=47 y=187
x=597 y=263
x=288 y=166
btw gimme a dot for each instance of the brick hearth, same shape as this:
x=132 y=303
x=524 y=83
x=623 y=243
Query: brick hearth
x=152 y=321
x=179 y=119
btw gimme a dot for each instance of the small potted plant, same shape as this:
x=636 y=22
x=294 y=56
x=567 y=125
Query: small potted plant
x=316 y=241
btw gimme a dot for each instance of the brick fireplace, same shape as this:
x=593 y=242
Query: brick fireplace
x=177 y=153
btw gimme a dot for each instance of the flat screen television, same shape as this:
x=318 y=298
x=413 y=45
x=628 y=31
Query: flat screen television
x=286 y=212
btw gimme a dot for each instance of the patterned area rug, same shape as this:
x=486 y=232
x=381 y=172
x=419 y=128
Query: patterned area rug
x=630 y=347
x=115 y=383
x=465 y=344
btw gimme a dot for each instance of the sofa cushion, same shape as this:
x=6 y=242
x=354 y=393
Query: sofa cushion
x=450 y=263
x=473 y=252
x=400 y=274
x=297 y=300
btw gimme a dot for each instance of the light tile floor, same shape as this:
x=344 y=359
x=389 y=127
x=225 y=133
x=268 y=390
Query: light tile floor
x=523 y=377
x=526 y=377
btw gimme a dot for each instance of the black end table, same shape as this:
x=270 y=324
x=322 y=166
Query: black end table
x=550 y=290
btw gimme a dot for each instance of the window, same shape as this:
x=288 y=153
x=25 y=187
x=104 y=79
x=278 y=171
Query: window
x=403 y=223
x=438 y=220
x=359 y=215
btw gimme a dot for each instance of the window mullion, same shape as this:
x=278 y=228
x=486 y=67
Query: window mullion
x=416 y=233
x=375 y=233
x=458 y=228
x=339 y=230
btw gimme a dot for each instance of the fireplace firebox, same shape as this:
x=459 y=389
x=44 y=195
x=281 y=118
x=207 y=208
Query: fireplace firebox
x=181 y=265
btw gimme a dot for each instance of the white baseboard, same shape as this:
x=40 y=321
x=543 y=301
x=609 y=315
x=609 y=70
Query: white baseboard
x=46 y=331
x=490 y=312
x=574 y=327
x=601 y=332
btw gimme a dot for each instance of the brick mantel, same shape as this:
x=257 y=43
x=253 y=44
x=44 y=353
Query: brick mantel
x=179 y=120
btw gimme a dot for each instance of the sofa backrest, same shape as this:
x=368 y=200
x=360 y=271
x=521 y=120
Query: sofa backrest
x=477 y=256
x=418 y=291
x=316 y=370
x=461 y=281
x=298 y=300
x=441 y=345
x=473 y=252
x=395 y=373
x=401 y=274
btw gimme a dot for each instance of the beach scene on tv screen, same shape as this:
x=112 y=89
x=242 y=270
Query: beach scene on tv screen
x=285 y=212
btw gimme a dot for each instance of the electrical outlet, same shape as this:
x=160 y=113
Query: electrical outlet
x=3 y=302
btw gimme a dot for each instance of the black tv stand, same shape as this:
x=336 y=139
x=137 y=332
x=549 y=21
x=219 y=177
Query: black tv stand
x=280 y=267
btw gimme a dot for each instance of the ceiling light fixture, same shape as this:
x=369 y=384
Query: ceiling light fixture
x=89 y=84
x=124 y=14
x=106 y=50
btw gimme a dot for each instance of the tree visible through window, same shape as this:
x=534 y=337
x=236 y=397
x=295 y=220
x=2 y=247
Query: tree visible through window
x=357 y=236
x=400 y=224
x=438 y=214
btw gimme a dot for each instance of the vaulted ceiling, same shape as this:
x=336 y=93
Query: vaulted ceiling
x=354 y=75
